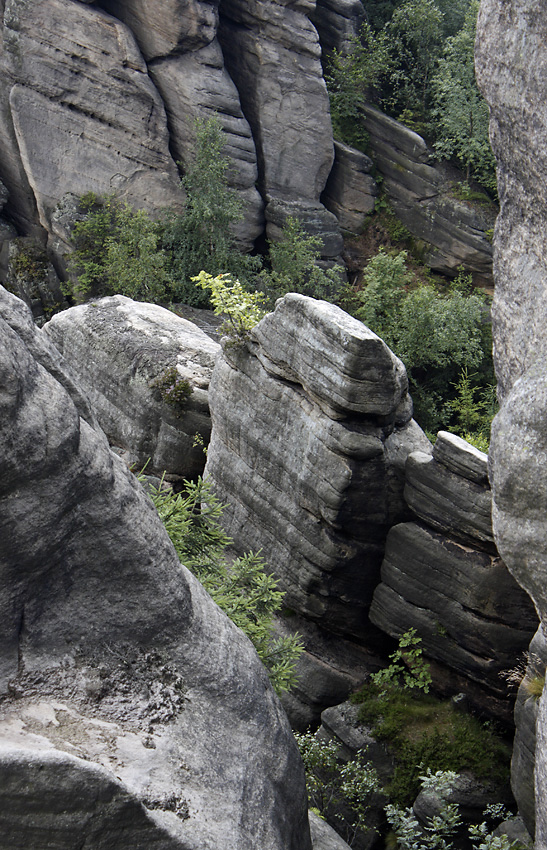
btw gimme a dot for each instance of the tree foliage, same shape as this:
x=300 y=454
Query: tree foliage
x=459 y=111
x=435 y=335
x=117 y=250
x=201 y=238
x=241 y=309
x=242 y=587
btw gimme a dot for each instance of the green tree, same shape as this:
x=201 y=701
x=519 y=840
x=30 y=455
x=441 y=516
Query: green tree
x=415 y=33
x=201 y=238
x=241 y=309
x=294 y=265
x=435 y=335
x=242 y=587
x=460 y=112
x=116 y=250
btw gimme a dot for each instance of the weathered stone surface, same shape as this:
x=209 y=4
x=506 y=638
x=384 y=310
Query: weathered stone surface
x=300 y=420
x=459 y=456
x=272 y=53
x=194 y=86
x=339 y=362
x=511 y=63
x=419 y=190
x=126 y=691
x=166 y=27
x=117 y=348
x=324 y=836
x=337 y=22
x=468 y=610
x=341 y=723
x=351 y=190
x=449 y=502
x=314 y=219
x=84 y=112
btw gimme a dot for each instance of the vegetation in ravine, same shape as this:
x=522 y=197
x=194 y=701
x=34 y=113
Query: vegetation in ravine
x=242 y=587
x=415 y=60
x=429 y=741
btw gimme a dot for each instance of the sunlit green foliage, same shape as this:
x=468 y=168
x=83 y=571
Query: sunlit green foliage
x=241 y=309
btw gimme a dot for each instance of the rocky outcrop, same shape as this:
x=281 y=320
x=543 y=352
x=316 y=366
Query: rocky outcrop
x=421 y=190
x=130 y=359
x=511 y=57
x=311 y=427
x=84 y=113
x=443 y=577
x=31 y=276
x=132 y=709
x=351 y=191
x=337 y=22
x=272 y=53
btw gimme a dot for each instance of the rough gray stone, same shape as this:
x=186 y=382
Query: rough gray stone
x=117 y=348
x=351 y=191
x=314 y=219
x=85 y=114
x=31 y=276
x=461 y=457
x=323 y=836
x=468 y=610
x=448 y=502
x=128 y=697
x=167 y=27
x=300 y=419
x=419 y=189
x=272 y=53
x=511 y=63
x=337 y=22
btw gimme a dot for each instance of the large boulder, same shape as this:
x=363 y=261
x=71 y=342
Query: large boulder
x=133 y=711
x=511 y=63
x=122 y=353
x=311 y=428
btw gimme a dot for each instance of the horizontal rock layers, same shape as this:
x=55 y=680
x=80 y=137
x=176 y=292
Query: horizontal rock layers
x=443 y=576
x=419 y=189
x=120 y=351
x=132 y=710
x=311 y=426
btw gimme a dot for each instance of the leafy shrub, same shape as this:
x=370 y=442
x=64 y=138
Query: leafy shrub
x=243 y=588
x=294 y=266
x=341 y=791
x=117 y=250
x=437 y=336
x=173 y=389
x=201 y=237
x=242 y=309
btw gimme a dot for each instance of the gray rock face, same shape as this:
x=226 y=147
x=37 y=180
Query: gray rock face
x=272 y=53
x=118 y=349
x=132 y=708
x=511 y=60
x=298 y=451
x=31 y=276
x=443 y=577
x=419 y=191
x=323 y=836
x=85 y=114
x=337 y=22
x=351 y=190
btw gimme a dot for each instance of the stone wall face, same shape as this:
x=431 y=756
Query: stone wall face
x=511 y=63
x=311 y=427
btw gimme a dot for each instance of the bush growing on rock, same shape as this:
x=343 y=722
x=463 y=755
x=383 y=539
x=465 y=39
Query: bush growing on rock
x=242 y=587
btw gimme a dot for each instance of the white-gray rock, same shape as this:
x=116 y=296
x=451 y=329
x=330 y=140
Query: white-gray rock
x=117 y=350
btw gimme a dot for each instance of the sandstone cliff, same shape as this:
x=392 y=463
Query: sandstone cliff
x=511 y=62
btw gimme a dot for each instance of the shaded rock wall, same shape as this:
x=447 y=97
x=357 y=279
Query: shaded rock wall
x=420 y=189
x=442 y=576
x=132 y=709
x=511 y=61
